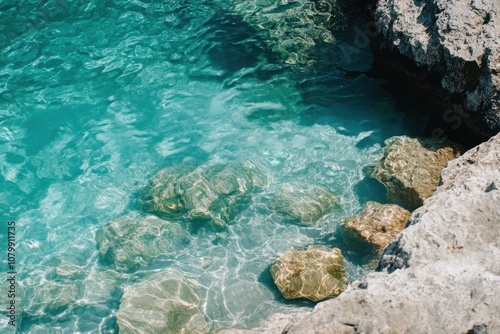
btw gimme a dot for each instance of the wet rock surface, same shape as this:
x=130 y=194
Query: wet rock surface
x=277 y=323
x=303 y=203
x=451 y=51
x=440 y=275
x=162 y=303
x=375 y=226
x=410 y=168
x=131 y=242
x=209 y=194
x=315 y=274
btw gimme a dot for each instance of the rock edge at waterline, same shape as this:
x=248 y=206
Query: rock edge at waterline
x=450 y=51
x=439 y=275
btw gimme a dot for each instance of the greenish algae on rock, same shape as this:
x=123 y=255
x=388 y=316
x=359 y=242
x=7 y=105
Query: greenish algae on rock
x=132 y=241
x=375 y=226
x=209 y=194
x=165 y=302
x=303 y=203
x=410 y=168
x=315 y=274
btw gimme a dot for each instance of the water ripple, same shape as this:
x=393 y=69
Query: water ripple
x=96 y=97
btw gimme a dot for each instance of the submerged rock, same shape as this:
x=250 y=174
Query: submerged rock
x=375 y=226
x=210 y=193
x=163 y=303
x=51 y=298
x=439 y=275
x=303 y=203
x=299 y=31
x=131 y=242
x=410 y=168
x=69 y=267
x=162 y=197
x=451 y=51
x=315 y=274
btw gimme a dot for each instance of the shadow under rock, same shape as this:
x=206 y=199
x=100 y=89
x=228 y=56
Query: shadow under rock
x=360 y=255
x=361 y=103
x=369 y=189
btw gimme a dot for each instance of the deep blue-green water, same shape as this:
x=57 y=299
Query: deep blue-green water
x=97 y=96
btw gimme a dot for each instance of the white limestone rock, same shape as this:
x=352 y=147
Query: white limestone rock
x=454 y=47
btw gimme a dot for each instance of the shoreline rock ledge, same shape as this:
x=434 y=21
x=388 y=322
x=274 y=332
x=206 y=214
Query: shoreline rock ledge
x=450 y=51
x=439 y=275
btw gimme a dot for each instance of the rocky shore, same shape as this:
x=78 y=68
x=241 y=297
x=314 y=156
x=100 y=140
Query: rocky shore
x=441 y=274
x=194 y=167
x=439 y=268
x=450 y=52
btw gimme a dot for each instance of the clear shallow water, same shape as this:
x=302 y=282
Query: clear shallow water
x=95 y=98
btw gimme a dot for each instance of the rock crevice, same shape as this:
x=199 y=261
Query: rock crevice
x=450 y=51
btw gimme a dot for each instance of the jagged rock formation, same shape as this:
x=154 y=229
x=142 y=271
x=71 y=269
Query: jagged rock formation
x=375 y=226
x=132 y=241
x=451 y=51
x=440 y=275
x=209 y=194
x=303 y=203
x=163 y=303
x=410 y=168
x=315 y=274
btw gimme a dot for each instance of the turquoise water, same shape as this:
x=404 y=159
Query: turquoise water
x=96 y=97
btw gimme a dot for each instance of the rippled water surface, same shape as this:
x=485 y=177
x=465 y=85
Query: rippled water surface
x=97 y=96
